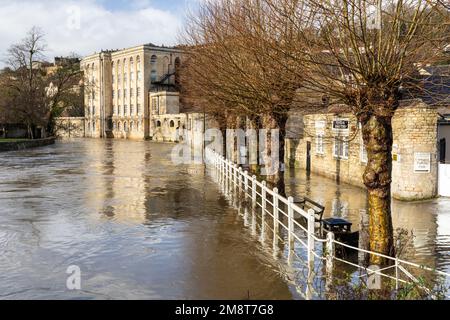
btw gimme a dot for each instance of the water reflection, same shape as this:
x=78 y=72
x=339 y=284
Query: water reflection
x=428 y=220
x=138 y=226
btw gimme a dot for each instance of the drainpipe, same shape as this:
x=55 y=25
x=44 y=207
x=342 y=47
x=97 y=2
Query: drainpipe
x=102 y=98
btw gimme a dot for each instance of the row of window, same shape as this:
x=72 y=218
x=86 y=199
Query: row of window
x=124 y=111
x=125 y=93
x=118 y=126
x=125 y=78
x=340 y=148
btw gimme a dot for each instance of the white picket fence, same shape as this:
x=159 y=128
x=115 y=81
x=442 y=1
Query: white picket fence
x=257 y=190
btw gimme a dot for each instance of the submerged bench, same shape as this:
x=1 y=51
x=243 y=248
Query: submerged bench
x=306 y=203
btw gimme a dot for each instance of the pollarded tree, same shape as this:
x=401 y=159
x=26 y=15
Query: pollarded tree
x=234 y=68
x=367 y=54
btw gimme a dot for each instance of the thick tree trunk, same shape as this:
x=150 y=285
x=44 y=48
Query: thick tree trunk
x=277 y=166
x=377 y=135
x=253 y=146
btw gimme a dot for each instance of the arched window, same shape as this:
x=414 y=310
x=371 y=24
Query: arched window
x=114 y=125
x=131 y=70
x=120 y=126
x=165 y=69
x=177 y=70
x=154 y=71
x=158 y=123
x=125 y=126
x=131 y=126
x=138 y=63
x=172 y=123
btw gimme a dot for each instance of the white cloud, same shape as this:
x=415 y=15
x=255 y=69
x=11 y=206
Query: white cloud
x=97 y=28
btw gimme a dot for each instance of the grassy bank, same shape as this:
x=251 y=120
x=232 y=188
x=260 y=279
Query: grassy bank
x=13 y=140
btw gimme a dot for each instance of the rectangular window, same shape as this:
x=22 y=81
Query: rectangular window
x=131 y=109
x=118 y=79
x=118 y=93
x=340 y=148
x=362 y=147
x=138 y=92
x=131 y=93
x=139 y=75
x=131 y=76
x=113 y=94
x=363 y=153
x=124 y=93
x=319 y=144
x=138 y=108
x=125 y=109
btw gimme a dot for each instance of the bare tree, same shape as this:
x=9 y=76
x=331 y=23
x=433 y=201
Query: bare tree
x=35 y=92
x=234 y=70
x=367 y=54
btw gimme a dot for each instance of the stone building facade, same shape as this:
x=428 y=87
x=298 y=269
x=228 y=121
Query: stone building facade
x=117 y=86
x=331 y=145
x=70 y=127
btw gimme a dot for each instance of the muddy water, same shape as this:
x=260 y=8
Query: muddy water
x=428 y=222
x=136 y=225
x=140 y=227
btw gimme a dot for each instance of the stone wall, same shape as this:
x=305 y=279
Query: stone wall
x=26 y=144
x=415 y=136
x=70 y=127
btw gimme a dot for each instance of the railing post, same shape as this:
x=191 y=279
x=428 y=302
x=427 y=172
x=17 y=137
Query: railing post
x=263 y=212
x=291 y=224
x=235 y=175
x=254 y=191
x=275 y=217
x=311 y=230
x=396 y=273
x=246 y=181
x=240 y=178
x=264 y=196
x=330 y=252
x=330 y=258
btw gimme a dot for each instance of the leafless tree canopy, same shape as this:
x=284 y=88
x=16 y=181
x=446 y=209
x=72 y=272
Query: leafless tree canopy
x=253 y=58
x=33 y=92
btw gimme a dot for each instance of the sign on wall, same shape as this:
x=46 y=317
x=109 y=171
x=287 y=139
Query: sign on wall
x=422 y=162
x=341 y=125
x=320 y=126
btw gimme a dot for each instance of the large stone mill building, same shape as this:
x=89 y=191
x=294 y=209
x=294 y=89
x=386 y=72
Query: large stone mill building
x=129 y=93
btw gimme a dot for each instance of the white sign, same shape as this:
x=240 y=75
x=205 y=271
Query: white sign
x=422 y=162
x=341 y=125
x=320 y=126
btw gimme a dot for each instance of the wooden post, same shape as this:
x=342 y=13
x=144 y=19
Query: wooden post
x=311 y=230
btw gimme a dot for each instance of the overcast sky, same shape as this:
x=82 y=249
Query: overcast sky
x=87 y=26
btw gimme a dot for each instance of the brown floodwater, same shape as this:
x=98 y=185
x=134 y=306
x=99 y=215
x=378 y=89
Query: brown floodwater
x=140 y=227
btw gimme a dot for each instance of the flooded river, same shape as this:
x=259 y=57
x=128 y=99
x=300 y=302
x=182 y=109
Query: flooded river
x=140 y=227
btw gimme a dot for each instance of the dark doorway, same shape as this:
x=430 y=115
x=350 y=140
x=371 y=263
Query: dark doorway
x=442 y=150
x=308 y=156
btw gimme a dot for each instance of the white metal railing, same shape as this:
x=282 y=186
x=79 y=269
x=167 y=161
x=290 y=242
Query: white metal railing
x=253 y=189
